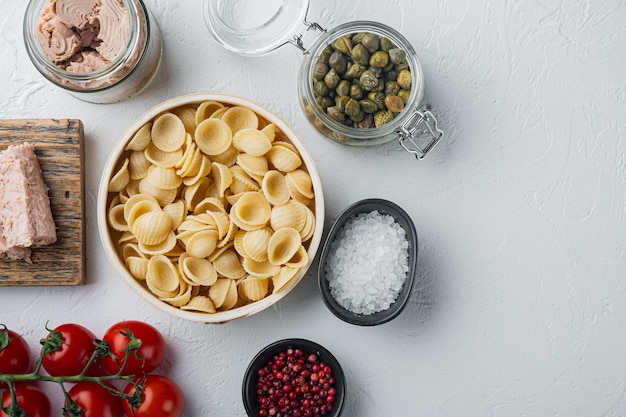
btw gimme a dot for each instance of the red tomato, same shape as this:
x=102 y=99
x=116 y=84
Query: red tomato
x=74 y=353
x=30 y=398
x=145 y=360
x=161 y=398
x=14 y=354
x=95 y=400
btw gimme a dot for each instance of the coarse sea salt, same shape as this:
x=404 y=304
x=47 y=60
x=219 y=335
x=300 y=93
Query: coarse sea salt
x=368 y=263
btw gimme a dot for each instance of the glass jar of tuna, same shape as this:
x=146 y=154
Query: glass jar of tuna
x=100 y=51
x=360 y=84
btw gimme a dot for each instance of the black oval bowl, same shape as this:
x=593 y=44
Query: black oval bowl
x=404 y=220
x=251 y=377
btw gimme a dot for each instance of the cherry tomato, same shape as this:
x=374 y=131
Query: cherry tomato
x=30 y=398
x=14 y=354
x=146 y=359
x=95 y=400
x=74 y=353
x=161 y=398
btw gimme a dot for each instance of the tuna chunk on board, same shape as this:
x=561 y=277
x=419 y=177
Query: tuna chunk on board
x=24 y=204
x=14 y=253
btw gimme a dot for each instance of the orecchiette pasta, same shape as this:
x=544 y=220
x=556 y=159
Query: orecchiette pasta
x=212 y=207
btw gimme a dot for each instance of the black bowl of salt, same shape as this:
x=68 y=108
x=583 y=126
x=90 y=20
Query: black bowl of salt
x=368 y=263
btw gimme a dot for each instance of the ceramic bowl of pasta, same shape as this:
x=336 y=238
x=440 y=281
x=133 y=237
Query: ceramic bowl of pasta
x=210 y=207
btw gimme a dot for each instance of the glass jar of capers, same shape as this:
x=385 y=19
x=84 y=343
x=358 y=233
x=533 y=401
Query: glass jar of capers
x=362 y=85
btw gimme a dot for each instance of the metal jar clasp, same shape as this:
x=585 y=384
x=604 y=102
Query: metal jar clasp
x=407 y=133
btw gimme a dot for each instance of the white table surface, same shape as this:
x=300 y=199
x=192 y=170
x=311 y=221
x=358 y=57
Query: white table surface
x=519 y=308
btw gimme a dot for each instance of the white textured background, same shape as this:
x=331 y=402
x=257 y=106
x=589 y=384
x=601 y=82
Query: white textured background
x=520 y=304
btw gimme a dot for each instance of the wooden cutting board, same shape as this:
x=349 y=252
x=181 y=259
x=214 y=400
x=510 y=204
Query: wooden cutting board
x=59 y=149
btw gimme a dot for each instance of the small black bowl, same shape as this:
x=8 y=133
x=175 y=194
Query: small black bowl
x=404 y=220
x=251 y=377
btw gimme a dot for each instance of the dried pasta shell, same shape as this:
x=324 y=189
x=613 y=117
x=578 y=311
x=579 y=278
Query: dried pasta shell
x=260 y=269
x=163 y=196
x=193 y=225
x=138 y=205
x=199 y=271
x=222 y=177
x=300 y=259
x=231 y=296
x=140 y=139
x=163 y=278
x=152 y=228
x=253 y=289
x=283 y=245
x=120 y=179
x=233 y=198
x=132 y=249
x=177 y=212
x=238 y=243
x=138 y=165
x=285 y=275
x=284 y=143
x=161 y=248
x=165 y=178
x=219 y=113
x=300 y=180
x=255 y=242
x=137 y=266
x=283 y=158
x=213 y=136
x=219 y=291
x=239 y=118
x=203 y=171
x=308 y=229
x=196 y=193
x=274 y=188
x=269 y=130
x=182 y=298
x=222 y=221
x=168 y=132
x=192 y=165
x=206 y=109
x=252 y=142
x=228 y=265
x=162 y=158
x=202 y=243
x=132 y=188
x=188 y=116
x=241 y=182
x=229 y=236
x=200 y=303
x=127 y=237
x=176 y=251
x=252 y=211
x=210 y=204
x=116 y=218
x=292 y=214
x=228 y=157
x=187 y=156
x=255 y=166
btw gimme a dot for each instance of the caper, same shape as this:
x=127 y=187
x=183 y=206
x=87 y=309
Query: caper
x=356 y=92
x=332 y=79
x=377 y=98
x=391 y=88
x=386 y=44
x=355 y=70
x=344 y=45
x=319 y=70
x=404 y=95
x=352 y=107
x=389 y=67
x=405 y=79
x=338 y=61
x=320 y=88
x=343 y=88
x=368 y=106
x=368 y=80
x=325 y=55
x=382 y=117
x=397 y=55
x=358 y=117
x=391 y=75
x=358 y=38
x=380 y=86
x=394 y=104
x=325 y=102
x=371 y=42
x=377 y=71
x=336 y=114
x=341 y=102
x=366 y=123
x=403 y=66
x=360 y=54
x=379 y=59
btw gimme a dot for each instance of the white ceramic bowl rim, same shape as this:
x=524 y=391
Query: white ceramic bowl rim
x=105 y=233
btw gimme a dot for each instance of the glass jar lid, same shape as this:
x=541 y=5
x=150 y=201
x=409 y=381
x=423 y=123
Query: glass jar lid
x=252 y=27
